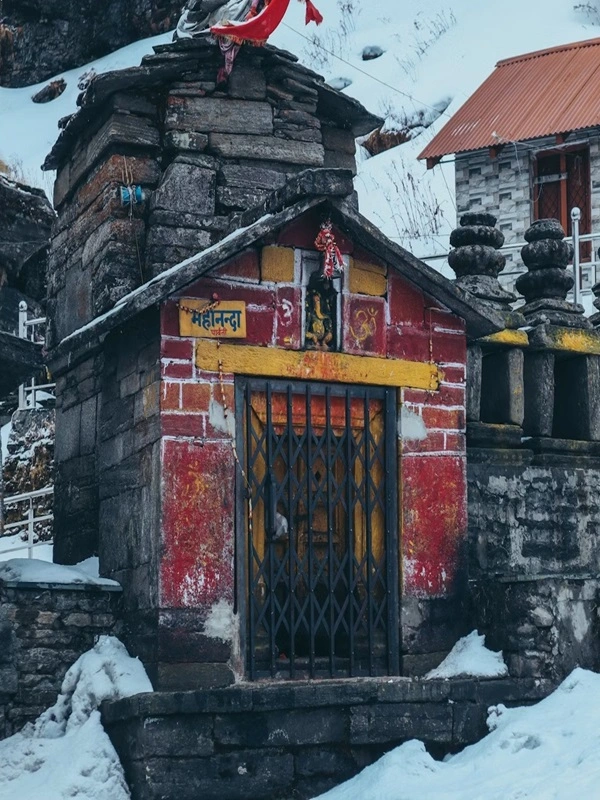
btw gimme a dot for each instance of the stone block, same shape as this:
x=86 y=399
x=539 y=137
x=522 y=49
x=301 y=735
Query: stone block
x=313 y=761
x=473 y=382
x=247 y=83
x=219 y=115
x=251 y=177
x=176 y=737
x=396 y=722
x=267 y=148
x=367 y=278
x=283 y=728
x=181 y=676
x=186 y=188
x=193 y=141
x=240 y=775
x=338 y=139
x=539 y=394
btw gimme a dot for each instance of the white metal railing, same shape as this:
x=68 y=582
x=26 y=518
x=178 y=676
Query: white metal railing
x=586 y=273
x=30 y=329
x=29 y=522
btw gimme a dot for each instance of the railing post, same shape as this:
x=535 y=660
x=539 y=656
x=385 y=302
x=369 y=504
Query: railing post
x=575 y=217
x=30 y=529
x=22 y=335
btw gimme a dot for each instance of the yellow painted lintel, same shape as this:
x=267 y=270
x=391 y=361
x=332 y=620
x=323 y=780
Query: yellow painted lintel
x=576 y=341
x=507 y=337
x=316 y=365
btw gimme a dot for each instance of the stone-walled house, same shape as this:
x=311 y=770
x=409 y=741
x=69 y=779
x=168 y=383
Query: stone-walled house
x=527 y=147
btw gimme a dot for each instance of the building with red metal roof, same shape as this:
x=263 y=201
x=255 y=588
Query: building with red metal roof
x=527 y=143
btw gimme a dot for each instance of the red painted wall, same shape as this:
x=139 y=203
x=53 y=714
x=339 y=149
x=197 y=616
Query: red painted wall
x=198 y=491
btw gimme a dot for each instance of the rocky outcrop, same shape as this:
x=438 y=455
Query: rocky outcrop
x=29 y=465
x=26 y=217
x=39 y=39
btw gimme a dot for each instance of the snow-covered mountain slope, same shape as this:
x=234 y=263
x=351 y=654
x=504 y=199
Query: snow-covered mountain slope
x=434 y=54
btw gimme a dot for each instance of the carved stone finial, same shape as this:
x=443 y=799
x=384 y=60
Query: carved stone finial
x=477 y=263
x=546 y=284
x=595 y=318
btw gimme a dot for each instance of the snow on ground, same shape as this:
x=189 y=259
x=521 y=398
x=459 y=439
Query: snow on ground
x=66 y=752
x=34 y=570
x=470 y=658
x=550 y=751
x=435 y=52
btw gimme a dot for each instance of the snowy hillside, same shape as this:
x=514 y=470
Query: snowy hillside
x=434 y=54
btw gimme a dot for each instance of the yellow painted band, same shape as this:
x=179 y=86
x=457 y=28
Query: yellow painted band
x=316 y=365
x=508 y=337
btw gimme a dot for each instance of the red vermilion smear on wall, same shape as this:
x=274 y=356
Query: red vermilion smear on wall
x=434 y=523
x=198 y=497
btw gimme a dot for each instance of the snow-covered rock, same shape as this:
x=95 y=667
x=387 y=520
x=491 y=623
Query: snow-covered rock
x=66 y=753
x=470 y=658
x=550 y=751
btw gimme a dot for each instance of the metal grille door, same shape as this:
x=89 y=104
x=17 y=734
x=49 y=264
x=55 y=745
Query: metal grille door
x=318 y=524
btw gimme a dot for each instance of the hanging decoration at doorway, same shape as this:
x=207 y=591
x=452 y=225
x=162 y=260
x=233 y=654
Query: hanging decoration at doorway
x=262 y=19
x=325 y=242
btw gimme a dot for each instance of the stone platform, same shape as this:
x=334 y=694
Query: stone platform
x=267 y=741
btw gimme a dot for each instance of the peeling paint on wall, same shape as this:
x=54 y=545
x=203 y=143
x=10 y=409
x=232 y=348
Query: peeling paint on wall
x=220 y=623
x=217 y=418
x=411 y=426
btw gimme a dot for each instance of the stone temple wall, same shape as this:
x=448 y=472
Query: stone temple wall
x=201 y=153
x=534 y=557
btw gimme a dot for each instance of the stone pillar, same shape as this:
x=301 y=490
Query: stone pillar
x=546 y=284
x=494 y=365
x=477 y=262
x=539 y=394
x=562 y=370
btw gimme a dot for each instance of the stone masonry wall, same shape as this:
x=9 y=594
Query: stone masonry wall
x=534 y=555
x=296 y=740
x=76 y=482
x=43 y=631
x=129 y=476
x=200 y=152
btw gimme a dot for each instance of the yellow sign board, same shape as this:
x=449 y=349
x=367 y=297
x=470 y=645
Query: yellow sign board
x=225 y=319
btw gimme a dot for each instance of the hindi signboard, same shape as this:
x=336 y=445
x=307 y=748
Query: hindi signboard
x=203 y=318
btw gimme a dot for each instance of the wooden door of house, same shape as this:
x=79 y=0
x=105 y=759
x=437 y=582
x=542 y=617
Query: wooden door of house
x=317 y=543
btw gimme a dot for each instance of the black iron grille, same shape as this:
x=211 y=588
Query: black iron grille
x=318 y=548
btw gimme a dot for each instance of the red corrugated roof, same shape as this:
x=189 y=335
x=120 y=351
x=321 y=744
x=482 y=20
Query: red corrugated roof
x=537 y=94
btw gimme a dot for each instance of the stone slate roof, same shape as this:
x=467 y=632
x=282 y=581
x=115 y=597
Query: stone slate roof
x=168 y=63
x=310 y=189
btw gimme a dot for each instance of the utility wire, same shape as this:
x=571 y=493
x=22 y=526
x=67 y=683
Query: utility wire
x=364 y=72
